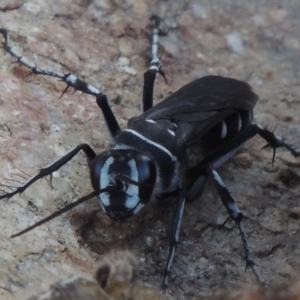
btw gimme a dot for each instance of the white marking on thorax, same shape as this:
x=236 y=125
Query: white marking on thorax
x=171 y=132
x=150 y=121
x=152 y=143
x=154 y=122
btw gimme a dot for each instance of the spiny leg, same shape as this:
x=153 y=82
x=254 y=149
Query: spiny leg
x=274 y=141
x=71 y=81
x=237 y=216
x=48 y=170
x=154 y=67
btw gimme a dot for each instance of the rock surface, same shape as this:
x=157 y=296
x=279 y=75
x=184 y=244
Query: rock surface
x=106 y=43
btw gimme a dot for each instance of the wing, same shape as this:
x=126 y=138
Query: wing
x=202 y=98
x=198 y=107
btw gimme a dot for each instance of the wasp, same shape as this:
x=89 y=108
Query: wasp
x=166 y=154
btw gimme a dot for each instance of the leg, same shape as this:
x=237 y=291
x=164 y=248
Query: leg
x=237 y=216
x=48 y=170
x=174 y=237
x=274 y=141
x=71 y=81
x=111 y=121
x=189 y=195
x=221 y=155
x=155 y=67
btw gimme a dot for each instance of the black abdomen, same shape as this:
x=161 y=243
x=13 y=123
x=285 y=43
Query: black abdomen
x=218 y=136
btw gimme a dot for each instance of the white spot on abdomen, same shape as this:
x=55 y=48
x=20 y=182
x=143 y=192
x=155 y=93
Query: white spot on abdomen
x=224 y=130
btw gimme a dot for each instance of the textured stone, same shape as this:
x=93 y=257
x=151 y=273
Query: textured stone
x=37 y=126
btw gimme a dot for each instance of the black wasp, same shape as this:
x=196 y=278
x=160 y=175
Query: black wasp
x=167 y=153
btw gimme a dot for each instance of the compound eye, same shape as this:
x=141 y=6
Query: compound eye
x=144 y=165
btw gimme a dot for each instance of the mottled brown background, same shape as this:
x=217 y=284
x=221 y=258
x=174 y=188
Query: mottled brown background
x=96 y=39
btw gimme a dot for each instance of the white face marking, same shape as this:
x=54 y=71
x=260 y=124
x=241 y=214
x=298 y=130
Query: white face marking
x=152 y=143
x=105 y=180
x=224 y=130
x=239 y=121
x=133 y=190
x=150 y=121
